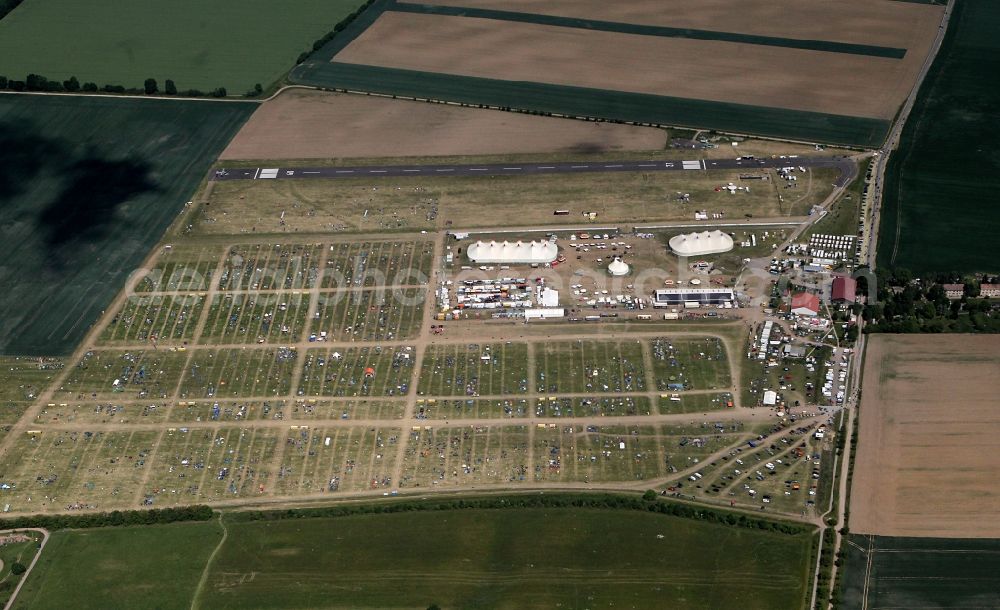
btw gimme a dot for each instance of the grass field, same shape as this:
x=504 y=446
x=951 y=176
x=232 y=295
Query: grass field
x=155 y=566
x=397 y=204
x=939 y=187
x=231 y=44
x=89 y=185
x=888 y=572
x=482 y=558
x=506 y=559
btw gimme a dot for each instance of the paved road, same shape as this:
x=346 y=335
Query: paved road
x=845 y=165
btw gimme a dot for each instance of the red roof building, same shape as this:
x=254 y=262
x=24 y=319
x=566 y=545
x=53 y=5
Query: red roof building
x=844 y=290
x=805 y=304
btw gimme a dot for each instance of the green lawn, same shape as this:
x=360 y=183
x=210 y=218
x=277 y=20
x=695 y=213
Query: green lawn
x=541 y=558
x=941 y=185
x=226 y=43
x=155 y=566
x=87 y=186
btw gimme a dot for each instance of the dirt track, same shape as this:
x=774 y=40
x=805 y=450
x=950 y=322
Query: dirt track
x=927 y=447
x=758 y=75
x=317 y=125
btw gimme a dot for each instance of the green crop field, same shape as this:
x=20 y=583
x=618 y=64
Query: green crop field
x=941 y=186
x=154 y=566
x=232 y=43
x=921 y=573
x=87 y=185
x=481 y=558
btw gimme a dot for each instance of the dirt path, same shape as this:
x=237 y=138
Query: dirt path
x=195 y=600
x=31 y=566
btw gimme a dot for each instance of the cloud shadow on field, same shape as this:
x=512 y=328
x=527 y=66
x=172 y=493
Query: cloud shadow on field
x=94 y=189
x=23 y=155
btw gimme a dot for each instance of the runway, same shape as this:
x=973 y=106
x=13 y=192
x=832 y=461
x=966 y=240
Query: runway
x=846 y=166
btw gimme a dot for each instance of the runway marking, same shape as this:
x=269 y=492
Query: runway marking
x=257 y=173
x=444 y=170
x=612 y=166
x=376 y=171
x=578 y=166
x=310 y=172
x=647 y=165
x=546 y=167
x=345 y=171
x=411 y=170
x=512 y=168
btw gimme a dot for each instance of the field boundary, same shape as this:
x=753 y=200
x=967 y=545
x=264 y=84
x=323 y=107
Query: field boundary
x=649 y=30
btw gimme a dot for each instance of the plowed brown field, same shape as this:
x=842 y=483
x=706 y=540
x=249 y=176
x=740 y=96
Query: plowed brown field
x=302 y=124
x=929 y=436
x=760 y=75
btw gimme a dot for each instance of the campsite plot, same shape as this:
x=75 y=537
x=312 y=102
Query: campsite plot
x=693 y=403
x=195 y=465
x=596 y=406
x=590 y=366
x=369 y=315
x=474 y=369
x=233 y=411
x=261 y=317
x=75 y=470
x=444 y=408
x=110 y=412
x=181 y=267
x=342 y=458
x=154 y=318
x=270 y=267
x=145 y=373
x=689 y=364
x=239 y=372
x=378 y=263
x=357 y=371
x=597 y=453
x=465 y=455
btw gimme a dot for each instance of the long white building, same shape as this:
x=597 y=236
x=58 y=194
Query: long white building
x=505 y=252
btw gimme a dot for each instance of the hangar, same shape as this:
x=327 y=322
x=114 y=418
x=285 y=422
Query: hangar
x=505 y=252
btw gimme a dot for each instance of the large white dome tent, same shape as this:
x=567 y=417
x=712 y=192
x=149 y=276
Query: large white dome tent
x=505 y=252
x=700 y=244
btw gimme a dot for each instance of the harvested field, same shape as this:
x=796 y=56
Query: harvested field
x=814 y=81
x=878 y=22
x=315 y=125
x=926 y=458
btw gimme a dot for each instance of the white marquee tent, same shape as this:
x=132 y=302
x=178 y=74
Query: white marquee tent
x=618 y=267
x=534 y=252
x=700 y=244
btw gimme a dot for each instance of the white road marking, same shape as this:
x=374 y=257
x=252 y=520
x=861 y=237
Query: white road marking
x=578 y=166
x=310 y=172
x=444 y=170
x=477 y=169
x=647 y=165
x=376 y=171
x=257 y=173
x=411 y=170
x=512 y=168
x=612 y=166
x=345 y=171
x=546 y=167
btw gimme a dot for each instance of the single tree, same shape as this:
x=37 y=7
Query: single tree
x=649 y=495
x=17 y=569
x=170 y=88
x=150 y=86
x=72 y=84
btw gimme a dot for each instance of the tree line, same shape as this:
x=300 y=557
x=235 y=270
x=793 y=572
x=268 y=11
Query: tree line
x=343 y=23
x=37 y=82
x=111 y=519
x=646 y=503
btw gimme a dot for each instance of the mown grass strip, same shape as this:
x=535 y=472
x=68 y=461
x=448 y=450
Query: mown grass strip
x=650 y=30
x=546 y=98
